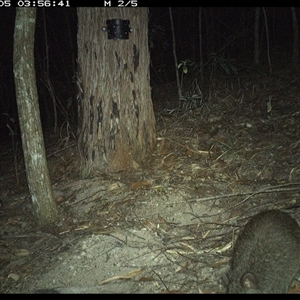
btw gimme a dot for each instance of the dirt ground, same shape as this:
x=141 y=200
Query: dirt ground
x=168 y=226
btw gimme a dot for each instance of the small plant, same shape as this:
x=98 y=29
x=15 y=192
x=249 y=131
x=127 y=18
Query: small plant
x=224 y=64
x=191 y=95
x=192 y=98
x=157 y=36
x=13 y=133
x=10 y=124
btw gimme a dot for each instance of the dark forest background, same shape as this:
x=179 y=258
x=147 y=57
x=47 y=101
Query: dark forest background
x=227 y=45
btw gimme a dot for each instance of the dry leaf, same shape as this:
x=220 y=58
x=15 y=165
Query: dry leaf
x=140 y=185
x=127 y=276
x=21 y=252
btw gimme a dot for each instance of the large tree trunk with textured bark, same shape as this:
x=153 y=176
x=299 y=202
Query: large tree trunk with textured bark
x=116 y=119
x=43 y=204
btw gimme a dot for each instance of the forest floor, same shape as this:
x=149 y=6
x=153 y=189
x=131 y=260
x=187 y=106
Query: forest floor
x=168 y=226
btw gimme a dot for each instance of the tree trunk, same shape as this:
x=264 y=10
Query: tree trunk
x=179 y=91
x=256 y=36
x=296 y=39
x=44 y=206
x=116 y=118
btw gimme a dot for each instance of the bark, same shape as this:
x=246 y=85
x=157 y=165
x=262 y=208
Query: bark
x=43 y=204
x=296 y=39
x=116 y=119
x=256 y=36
